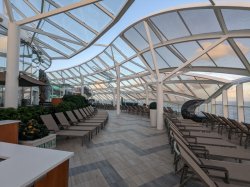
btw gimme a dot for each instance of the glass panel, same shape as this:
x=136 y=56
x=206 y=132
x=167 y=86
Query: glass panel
x=188 y=49
x=133 y=67
x=124 y=47
x=52 y=53
x=23 y=7
x=236 y=19
x=99 y=63
x=198 y=90
x=136 y=39
x=246 y=94
x=125 y=72
x=72 y=26
x=170 y=25
x=45 y=26
x=107 y=59
x=210 y=88
x=246 y=97
x=232 y=103
x=113 y=6
x=244 y=45
x=140 y=28
x=209 y=107
x=224 y=56
x=149 y=59
x=201 y=21
x=204 y=60
x=54 y=44
x=138 y=61
x=169 y=57
x=92 y=16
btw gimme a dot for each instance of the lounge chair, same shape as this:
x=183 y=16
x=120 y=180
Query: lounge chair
x=203 y=141
x=203 y=132
x=243 y=131
x=92 y=119
x=197 y=170
x=50 y=123
x=66 y=124
x=220 y=169
x=74 y=120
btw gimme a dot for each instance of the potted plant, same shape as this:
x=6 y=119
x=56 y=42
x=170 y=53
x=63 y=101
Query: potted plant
x=34 y=134
x=153 y=114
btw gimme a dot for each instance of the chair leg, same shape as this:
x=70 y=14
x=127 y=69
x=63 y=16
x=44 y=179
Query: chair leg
x=246 y=141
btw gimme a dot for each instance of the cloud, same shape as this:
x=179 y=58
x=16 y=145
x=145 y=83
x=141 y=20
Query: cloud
x=221 y=50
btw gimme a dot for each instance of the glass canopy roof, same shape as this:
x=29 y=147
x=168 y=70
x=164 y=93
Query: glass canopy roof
x=67 y=27
x=201 y=38
x=180 y=47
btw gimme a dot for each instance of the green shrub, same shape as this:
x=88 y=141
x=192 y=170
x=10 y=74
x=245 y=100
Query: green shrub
x=153 y=105
x=79 y=100
x=65 y=106
x=32 y=130
x=9 y=114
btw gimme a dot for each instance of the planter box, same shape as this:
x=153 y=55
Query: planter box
x=45 y=142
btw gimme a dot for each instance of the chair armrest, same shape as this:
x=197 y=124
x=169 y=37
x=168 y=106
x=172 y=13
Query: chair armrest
x=191 y=137
x=218 y=168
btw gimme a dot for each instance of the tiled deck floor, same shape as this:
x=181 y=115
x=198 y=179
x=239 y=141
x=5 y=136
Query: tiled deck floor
x=127 y=153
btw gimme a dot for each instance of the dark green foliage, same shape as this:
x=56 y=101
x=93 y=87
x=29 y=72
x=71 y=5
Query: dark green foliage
x=32 y=130
x=153 y=105
x=9 y=114
x=78 y=100
x=65 y=106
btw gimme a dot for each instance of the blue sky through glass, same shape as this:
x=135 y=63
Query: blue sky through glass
x=138 y=10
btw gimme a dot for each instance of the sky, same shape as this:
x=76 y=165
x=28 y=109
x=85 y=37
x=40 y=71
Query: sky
x=138 y=10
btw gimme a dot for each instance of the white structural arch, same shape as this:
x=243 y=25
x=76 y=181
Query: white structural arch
x=173 y=44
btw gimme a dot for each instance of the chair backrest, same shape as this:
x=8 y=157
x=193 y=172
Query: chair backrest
x=194 y=166
x=71 y=116
x=78 y=114
x=185 y=147
x=50 y=123
x=178 y=133
x=91 y=109
x=86 y=112
x=88 y=109
x=62 y=118
x=83 y=113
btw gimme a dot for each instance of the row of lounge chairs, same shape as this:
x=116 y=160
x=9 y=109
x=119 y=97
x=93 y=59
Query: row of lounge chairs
x=138 y=110
x=83 y=123
x=201 y=151
x=105 y=106
x=231 y=126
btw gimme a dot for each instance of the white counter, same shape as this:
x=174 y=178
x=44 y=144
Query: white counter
x=5 y=122
x=24 y=164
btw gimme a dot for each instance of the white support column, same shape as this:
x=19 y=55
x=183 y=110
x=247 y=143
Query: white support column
x=63 y=88
x=52 y=92
x=118 y=99
x=225 y=103
x=146 y=89
x=82 y=85
x=114 y=100
x=12 y=69
x=205 y=107
x=160 y=125
x=240 y=102
x=213 y=106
